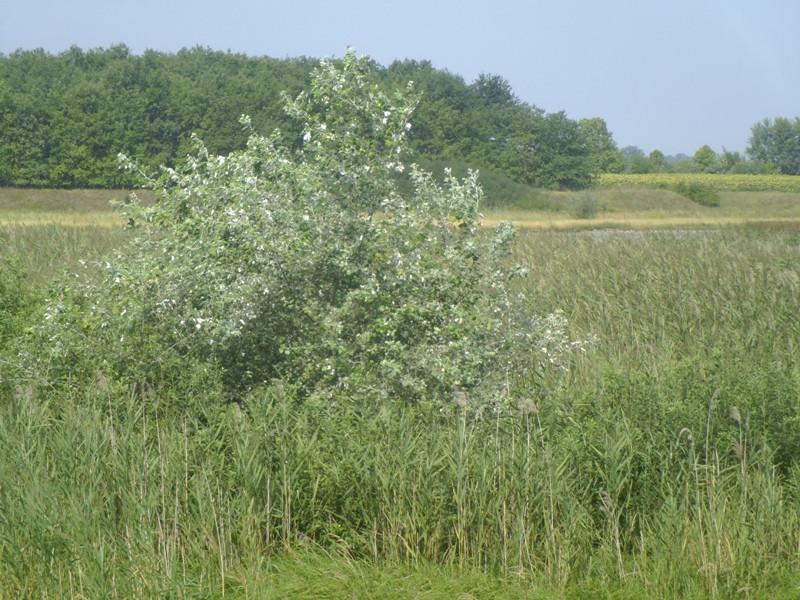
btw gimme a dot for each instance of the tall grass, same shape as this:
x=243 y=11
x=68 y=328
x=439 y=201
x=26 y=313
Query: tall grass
x=44 y=251
x=54 y=202
x=109 y=498
x=663 y=465
x=655 y=297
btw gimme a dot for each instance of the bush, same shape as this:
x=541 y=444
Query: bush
x=583 y=205
x=499 y=190
x=702 y=194
x=310 y=267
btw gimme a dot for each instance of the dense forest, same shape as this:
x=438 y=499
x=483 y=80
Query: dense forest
x=65 y=117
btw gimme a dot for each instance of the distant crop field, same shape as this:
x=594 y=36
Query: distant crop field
x=719 y=182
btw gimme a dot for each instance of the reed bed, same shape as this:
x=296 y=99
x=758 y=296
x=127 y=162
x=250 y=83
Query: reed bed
x=661 y=465
x=655 y=296
x=44 y=250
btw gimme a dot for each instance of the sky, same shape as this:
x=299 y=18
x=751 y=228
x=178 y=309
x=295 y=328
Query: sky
x=671 y=76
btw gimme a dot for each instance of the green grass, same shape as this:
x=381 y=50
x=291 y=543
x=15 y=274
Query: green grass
x=308 y=574
x=111 y=492
x=663 y=464
x=74 y=208
x=655 y=296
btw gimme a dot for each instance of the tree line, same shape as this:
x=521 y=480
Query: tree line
x=766 y=154
x=64 y=118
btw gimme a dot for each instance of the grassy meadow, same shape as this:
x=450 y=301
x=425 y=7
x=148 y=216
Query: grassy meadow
x=661 y=464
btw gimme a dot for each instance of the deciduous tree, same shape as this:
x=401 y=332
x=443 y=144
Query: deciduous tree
x=777 y=143
x=704 y=159
x=308 y=266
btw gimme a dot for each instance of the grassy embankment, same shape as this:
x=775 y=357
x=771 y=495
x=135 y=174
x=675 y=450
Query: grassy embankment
x=662 y=465
x=638 y=207
x=75 y=208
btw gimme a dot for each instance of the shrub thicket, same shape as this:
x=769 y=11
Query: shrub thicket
x=583 y=205
x=696 y=192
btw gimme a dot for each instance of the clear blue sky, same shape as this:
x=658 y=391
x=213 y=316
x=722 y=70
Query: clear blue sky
x=668 y=75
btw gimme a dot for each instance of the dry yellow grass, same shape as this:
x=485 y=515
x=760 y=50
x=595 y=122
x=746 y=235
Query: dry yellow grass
x=105 y=219
x=70 y=208
x=74 y=200
x=631 y=221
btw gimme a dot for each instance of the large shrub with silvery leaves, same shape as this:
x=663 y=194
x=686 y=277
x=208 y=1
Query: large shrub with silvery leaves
x=299 y=260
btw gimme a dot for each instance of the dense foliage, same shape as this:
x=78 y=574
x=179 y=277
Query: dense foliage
x=65 y=117
x=307 y=265
x=16 y=300
x=664 y=466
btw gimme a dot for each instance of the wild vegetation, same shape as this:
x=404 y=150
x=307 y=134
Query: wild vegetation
x=684 y=411
x=464 y=442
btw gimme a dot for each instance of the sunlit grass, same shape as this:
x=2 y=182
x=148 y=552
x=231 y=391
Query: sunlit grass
x=101 y=219
x=63 y=201
x=45 y=249
x=635 y=222
x=719 y=181
x=70 y=208
x=620 y=207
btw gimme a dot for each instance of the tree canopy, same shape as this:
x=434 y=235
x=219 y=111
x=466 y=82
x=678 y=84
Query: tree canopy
x=65 y=117
x=777 y=143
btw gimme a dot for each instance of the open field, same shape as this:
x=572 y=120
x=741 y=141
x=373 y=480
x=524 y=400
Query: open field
x=626 y=207
x=46 y=249
x=661 y=464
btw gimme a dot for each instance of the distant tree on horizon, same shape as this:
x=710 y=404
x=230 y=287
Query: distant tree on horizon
x=777 y=143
